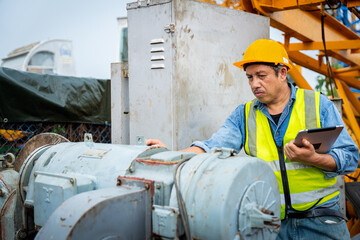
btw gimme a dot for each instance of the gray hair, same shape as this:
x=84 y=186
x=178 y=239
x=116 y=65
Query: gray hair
x=272 y=65
x=277 y=68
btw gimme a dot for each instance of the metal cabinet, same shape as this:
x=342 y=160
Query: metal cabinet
x=182 y=84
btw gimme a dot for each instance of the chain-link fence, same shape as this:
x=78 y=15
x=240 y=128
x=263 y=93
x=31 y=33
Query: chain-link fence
x=14 y=135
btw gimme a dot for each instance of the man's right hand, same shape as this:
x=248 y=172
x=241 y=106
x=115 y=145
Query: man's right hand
x=155 y=142
x=158 y=143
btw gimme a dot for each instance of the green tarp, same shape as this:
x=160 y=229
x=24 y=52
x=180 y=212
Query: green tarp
x=33 y=97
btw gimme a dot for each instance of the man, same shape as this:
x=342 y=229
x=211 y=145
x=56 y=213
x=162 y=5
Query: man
x=267 y=126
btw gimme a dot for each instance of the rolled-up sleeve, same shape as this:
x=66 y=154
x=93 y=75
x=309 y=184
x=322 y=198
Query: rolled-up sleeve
x=344 y=151
x=230 y=135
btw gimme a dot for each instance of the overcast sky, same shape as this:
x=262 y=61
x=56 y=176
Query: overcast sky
x=90 y=24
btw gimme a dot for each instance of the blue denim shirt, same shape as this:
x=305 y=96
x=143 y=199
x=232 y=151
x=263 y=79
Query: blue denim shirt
x=232 y=133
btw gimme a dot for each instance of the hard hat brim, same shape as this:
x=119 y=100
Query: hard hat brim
x=241 y=64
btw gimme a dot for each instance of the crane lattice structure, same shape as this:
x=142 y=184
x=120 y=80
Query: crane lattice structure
x=330 y=27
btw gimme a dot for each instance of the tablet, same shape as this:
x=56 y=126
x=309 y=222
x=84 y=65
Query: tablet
x=321 y=138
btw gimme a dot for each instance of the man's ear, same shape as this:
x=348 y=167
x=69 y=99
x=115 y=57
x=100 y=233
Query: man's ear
x=283 y=73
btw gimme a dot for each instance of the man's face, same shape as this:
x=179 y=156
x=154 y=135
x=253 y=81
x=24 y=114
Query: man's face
x=264 y=83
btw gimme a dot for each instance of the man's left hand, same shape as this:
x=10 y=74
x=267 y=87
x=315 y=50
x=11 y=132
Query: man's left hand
x=306 y=154
x=302 y=154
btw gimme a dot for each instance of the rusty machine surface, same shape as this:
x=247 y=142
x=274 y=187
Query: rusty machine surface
x=67 y=190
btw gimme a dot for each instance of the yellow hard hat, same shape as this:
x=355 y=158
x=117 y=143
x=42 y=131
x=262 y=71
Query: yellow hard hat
x=265 y=50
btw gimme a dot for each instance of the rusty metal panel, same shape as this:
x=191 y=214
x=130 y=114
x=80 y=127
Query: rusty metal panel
x=110 y=213
x=182 y=83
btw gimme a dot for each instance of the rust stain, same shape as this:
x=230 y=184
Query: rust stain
x=152 y=148
x=147 y=182
x=7 y=204
x=134 y=178
x=124 y=73
x=277 y=225
x=220 y=69
x=5 y=184
x=223 y=70
x=266 y=211
x=156 y=162
x=118 y=182
x=62 y=219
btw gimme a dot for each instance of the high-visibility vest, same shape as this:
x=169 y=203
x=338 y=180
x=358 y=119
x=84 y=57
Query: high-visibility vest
x=307 y=184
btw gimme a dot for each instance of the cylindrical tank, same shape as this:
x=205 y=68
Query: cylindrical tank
x=230 y=196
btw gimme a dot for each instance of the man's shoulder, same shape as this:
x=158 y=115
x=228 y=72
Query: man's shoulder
x=238 y=112
x=240 y=107
x=325 y=100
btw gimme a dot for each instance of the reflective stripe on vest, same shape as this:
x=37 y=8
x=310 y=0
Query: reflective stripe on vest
x=307 y=184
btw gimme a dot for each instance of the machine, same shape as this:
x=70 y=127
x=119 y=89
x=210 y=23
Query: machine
x=87 y=190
